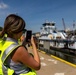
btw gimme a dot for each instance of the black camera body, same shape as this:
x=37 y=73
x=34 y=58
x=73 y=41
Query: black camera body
x=28 y=36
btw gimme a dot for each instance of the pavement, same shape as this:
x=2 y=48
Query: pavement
x=51 y=65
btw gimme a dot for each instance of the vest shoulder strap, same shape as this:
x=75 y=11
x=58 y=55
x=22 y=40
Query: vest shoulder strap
x=8 y=51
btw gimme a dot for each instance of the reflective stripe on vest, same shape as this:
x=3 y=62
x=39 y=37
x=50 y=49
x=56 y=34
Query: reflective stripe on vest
x=5 y=70
x=7 y=52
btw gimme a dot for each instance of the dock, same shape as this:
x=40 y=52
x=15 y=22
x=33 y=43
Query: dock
x=52 y=65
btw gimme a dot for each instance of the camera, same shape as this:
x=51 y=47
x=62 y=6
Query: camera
x=27 y=37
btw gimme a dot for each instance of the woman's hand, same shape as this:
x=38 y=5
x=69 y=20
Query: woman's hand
x=33 y=41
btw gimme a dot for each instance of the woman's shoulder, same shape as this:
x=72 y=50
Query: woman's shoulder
x=19 y=53
x=21 y=49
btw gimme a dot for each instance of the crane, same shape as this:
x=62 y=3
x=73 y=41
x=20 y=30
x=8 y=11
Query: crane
x=74 y=24
x=64 y=24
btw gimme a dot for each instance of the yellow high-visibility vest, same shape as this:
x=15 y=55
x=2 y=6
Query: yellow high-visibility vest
x=3 y=69
x=7 y=47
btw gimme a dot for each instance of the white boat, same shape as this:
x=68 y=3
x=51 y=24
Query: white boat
x=49 y=32
x=72 y=45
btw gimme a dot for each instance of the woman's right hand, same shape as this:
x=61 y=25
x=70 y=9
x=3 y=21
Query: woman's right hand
x=32 y=40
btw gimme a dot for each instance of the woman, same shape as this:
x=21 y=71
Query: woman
x=15 y=56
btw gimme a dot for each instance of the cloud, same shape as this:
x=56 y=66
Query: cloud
x=3 y=5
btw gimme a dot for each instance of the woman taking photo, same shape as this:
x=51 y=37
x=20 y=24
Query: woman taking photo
x=15 y=56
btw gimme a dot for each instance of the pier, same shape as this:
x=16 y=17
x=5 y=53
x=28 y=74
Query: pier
x=52 y=65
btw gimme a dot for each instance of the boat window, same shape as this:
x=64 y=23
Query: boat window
x=54 y=32
x=46 y=29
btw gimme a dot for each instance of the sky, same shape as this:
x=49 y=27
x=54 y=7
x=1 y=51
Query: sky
x=37 y=12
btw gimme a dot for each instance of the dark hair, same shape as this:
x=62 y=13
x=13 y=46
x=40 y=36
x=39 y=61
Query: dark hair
x=13 y=24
